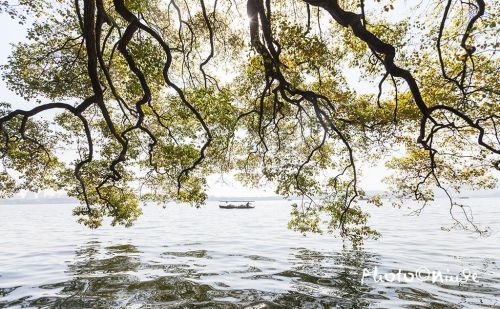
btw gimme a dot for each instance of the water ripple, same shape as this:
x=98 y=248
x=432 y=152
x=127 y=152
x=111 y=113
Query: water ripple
x=186 y=259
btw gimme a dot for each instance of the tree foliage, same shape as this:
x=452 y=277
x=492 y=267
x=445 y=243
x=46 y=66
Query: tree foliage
x=152 y=96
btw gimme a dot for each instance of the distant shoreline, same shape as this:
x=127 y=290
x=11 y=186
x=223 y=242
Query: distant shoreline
x=67 y=200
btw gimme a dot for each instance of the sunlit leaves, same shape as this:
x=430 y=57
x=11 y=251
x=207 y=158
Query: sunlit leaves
x=301 y=120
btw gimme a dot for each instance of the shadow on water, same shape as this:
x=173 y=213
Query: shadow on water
x=112 y=277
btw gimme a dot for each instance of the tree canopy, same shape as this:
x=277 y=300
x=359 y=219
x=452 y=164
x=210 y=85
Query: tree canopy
x=151 y=96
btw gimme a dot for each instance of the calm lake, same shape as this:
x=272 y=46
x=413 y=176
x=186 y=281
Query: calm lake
x=217 y=258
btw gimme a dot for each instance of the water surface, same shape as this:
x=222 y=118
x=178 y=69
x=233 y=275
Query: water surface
x=210 y=257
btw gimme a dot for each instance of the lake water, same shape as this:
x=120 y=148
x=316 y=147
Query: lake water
x=216 y=258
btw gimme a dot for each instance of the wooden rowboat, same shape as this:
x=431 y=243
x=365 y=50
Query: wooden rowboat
x=228 y=205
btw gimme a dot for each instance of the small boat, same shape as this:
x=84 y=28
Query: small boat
x=230 y=205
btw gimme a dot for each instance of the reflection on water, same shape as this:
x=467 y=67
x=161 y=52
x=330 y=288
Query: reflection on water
x=178 y=259
x=116 y=276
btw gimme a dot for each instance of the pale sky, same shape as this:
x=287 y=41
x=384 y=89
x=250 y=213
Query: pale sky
x=12 y=32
